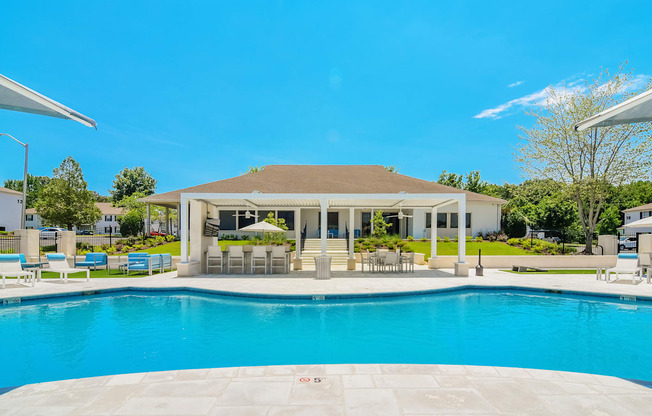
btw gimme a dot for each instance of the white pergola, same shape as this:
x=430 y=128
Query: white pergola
x=196 y=207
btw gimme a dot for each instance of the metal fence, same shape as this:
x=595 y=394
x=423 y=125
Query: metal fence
x=628 y=243
x=9 y=244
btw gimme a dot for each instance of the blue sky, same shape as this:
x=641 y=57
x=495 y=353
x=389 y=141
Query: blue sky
x=197 y=91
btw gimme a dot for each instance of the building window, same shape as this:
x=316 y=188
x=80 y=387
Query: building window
x=288 y=216
x=107 y=230
x=454 y=220
x=441 y=220
x=646 y=214
x=243 y=221
x=29 y=217
x=227 y=220
x=108 y=218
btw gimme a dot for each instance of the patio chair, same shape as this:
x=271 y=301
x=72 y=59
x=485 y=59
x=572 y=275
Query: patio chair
x=408 y=260
x=166 y=261
x=259 y=259
x=368 y=259
x=627 y=263
x=645 y=261
x=94 y=260
x=140 y=262
x=392 y=260
x=214 y=258
x=10 y=265
x=59 y=264
x=279 y=259
x=236 y=258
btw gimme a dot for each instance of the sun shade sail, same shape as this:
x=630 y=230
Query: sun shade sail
x=17 y=97
x=637 y=109
x=644 y=223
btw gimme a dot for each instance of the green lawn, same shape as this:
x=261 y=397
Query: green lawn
x=488 y=249
x=557 y=271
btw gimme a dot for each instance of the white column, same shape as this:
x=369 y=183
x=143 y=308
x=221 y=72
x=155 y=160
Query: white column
x=461 y=230
x=324 y=226
x=297 y=232
x=183 y=230
x=179 y=219
x=351 y=233
x=433 y=233
x=147 y=221
x=372 y=222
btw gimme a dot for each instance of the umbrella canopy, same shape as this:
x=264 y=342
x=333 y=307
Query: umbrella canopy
x=17 y=97
x=264 y=227
x=637 y=109
x=644 y=223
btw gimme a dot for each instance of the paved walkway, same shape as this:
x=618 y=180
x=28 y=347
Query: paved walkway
x=348 y=389
x=335 y=389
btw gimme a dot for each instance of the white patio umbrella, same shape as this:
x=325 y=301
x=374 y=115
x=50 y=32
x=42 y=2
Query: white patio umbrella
x=644 y=223
x=264 y=227
x=637 y=109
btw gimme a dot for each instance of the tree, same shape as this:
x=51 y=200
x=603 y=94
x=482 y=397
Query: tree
x=132 y=222
x=474 y=183
x=66 y=201
x=380 y=226
x=392 y=169
x=587 y=162
x=101 y=198
x=35 y=186
x=253 y=169
x=130 y=181
x=451 y=179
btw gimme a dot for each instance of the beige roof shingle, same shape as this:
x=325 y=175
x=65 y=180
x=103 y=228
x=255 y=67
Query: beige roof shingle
x=321 y=179
x=10 y=191
x=646 y=207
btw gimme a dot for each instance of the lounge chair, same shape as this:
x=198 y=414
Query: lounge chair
x=645 y=261
x=166 y=261
x=59 y=264
x=214 y=258
x=626 y=263
x=94 y=260
x=10 y=265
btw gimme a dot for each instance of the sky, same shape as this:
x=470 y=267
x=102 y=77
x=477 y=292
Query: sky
x=198 y=91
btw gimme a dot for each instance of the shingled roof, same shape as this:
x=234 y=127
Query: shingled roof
x=320 y=179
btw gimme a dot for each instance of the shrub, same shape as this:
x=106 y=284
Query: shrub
x=537 y=249
x=110 y=250
x=423 y=239
x=400 y=243
x=126 y=248
x=469 y=238
x=502 y=237
x=159 y=240
x=410 y=238
x=438 y=239
x=513 y=241
x=407 y=248
x=84 y=246
x=169 y=238
x=391 y=246
x=447 y=240
x=478 y=239
x=526 y=244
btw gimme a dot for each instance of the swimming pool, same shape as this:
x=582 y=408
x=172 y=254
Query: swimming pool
x=136 y=331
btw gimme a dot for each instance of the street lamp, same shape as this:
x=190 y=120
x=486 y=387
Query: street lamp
x=26 y=146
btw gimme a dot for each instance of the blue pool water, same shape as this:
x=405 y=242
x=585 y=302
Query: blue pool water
x=150 y=331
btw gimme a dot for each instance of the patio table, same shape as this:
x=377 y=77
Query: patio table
x=38 y=265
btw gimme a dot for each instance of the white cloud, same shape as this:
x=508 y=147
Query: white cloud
x=541 y=97
x=515 y=84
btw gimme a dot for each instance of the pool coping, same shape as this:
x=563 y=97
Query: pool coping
x=16 y=300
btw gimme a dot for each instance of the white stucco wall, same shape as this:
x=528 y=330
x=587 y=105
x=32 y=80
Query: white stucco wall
x=10 y=211
x=485 y=217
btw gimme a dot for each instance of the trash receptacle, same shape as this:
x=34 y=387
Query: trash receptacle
x=323 y=267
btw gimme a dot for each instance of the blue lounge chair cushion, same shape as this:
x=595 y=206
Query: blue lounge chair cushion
x=55 y=256
x=9 y=258
x=628 y=256
x=94 y=259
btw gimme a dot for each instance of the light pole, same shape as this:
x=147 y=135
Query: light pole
x=26 y=146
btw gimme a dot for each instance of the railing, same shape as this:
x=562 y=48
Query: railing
x=95 y=242
x=9 y=244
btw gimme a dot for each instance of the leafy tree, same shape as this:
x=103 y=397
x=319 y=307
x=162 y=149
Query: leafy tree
x=253 y=169
x=451 y=179
x=392 y=169
x=280 y=222
x=101 y=198
x=35 y=186
x=609 y=221
x=130 y=181
x=587 y=162
x=66 y=201
x=132 y=222
x=514 y=223
x=380 y=226
x=474 y=183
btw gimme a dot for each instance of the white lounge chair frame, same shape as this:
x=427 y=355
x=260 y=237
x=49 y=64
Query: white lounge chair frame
x=14 y=269
x=59 y=264
x=625 y=265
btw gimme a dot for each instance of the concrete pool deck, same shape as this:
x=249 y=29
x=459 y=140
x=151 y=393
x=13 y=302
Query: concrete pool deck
x=347 y=389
